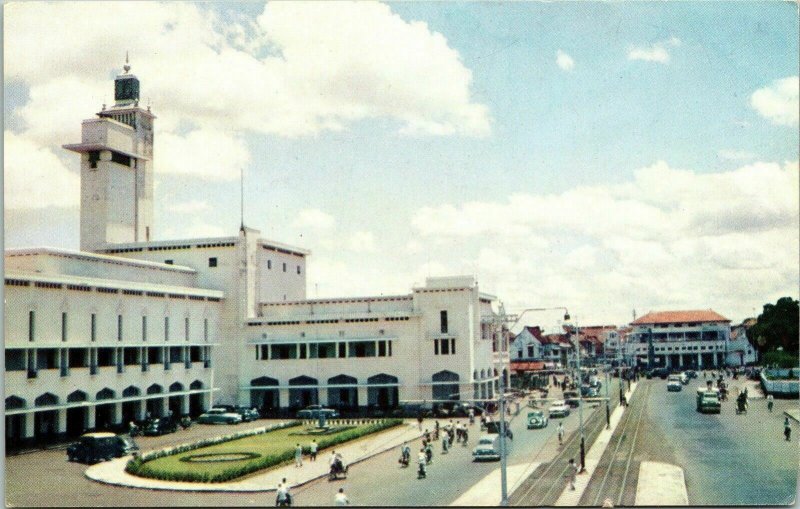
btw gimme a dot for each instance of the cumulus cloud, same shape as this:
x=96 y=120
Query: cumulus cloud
x=658 y=52
x=667 y=237
x=207 y=154
x=34 y=177
x=314 y=219
x=564 y=61
x=778 y=102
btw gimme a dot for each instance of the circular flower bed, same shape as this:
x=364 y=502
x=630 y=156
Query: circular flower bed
x=220 y=457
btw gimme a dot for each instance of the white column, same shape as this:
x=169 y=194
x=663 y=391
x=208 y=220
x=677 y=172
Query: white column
x=142 y=409
x=116 y=418
x=283 y=395
x=185 y=404
x=363 y=396
x=699 y=361
x=30 y=429
x=91 y=417
x=680 y=359
x=62 y=420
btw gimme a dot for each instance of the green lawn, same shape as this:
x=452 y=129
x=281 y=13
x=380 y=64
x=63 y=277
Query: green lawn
x=274 y=447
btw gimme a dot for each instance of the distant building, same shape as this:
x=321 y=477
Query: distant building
x=695 y=339
x=527 y=345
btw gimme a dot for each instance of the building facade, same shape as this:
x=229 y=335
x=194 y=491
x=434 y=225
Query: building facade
x=129 y=325
x=696 y=339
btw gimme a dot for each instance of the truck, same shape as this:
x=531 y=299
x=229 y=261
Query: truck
x=708 y=400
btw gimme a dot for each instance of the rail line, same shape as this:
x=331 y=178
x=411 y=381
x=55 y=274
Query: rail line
x=594 y=424
x=613 y=466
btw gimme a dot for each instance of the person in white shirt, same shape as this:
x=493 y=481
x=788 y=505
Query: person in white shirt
x=313 y=449
x=340 y=498
x=560 y=433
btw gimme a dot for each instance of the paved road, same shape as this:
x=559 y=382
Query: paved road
x=728 y=459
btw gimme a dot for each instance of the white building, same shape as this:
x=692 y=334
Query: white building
x=527 y=345
x=695 y=339
x=130 y=325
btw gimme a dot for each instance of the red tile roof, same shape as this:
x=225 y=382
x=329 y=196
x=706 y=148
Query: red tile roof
x=526 y=366
x=691 y=316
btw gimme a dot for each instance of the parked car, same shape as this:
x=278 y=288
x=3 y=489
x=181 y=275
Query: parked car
x=462 y=410
x=537 y=420
x=219 y=416
x=489 y=448
x=228 y=408
x=493 y=428
x=314 y=411
x=559 y=408
x=248 y=414
x=95 y=447
x=684 y=378
x=160 y=426
x=691 y=373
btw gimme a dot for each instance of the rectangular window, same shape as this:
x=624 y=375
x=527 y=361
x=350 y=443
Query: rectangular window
x=63 y=326
x=298 y=269
x=212 y=262
x=302 y=350
x=342 y=350
x=119 y=327
x=381 y=348
x=445 y=348
x=169 y=262
x=31 y=324
x=205 y=330
x=390 y=348
x=284 y=267
x=166 y=328
x=530 y=351
x=443 y=321
x=452 y=346
x=186 y=328
x=436 y=347
x=269 y=264
x=144 y=328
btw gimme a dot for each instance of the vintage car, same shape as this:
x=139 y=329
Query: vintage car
x=674 y=383
x=559 y=408
x=102 y=446
x=314 y=411
x=571 y=398
x=488 y=448
x=160 y=426
x=219 y=416
x=248 y=414
x=537 y=420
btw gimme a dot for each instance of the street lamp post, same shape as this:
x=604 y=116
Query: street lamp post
x=501 y=320
x=580 y=395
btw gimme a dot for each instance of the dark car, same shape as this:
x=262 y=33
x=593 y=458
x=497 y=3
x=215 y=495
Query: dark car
x=160 y=426
x=95 y=447
x=248 y=414
x=314 y=411
x=571 y=398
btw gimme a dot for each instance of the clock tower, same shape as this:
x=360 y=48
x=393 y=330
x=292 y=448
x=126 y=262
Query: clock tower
x=117 y=170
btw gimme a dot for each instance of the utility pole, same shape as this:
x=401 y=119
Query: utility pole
x=580 y=396
x=503 y=459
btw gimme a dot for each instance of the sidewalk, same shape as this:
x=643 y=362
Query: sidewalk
x=113 y=472
x=572 y=497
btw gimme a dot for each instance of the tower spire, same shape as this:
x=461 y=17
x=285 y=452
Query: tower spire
x=127 y=66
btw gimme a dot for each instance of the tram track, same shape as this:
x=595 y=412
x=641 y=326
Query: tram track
x=611 y=477
x=547 y=482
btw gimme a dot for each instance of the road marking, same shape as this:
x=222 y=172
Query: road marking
x=661 y=484
x=486 y=493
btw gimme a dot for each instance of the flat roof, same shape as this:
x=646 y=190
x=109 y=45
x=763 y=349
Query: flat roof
x=95 y=257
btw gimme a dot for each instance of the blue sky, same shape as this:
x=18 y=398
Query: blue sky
x=381 y=208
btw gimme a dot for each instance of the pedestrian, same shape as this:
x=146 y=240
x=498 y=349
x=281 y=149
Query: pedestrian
x=283 y=498
x=313 y=450
x=333 y=458
x=298 y=456
x=340 y=498
x=787 y=429
x=560 y=433
x=419 y=421
x=573 y=472
x=770 y=402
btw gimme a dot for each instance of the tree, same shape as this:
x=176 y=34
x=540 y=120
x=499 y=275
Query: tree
x=777 y=327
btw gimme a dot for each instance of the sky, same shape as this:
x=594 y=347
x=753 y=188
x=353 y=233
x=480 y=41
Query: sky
x=610 y=158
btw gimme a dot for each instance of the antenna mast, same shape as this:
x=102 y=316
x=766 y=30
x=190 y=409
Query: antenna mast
x=241 y=197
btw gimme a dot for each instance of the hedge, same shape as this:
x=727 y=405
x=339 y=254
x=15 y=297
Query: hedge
x=138 y=465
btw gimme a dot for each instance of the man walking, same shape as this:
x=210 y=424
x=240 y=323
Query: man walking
x=573 y=472
x=313 y=450
x=560 y=433
x=770 y=402
x=298 y=456
x=340 y=498
x=787 y=429
x=283 y=499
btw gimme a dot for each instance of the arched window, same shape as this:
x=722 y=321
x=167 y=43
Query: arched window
x=131 y=391
x=46 y=399
x=76 y=396
x=105 y=394
x=14 y=402
x=445 y=391
x=155 y=389
x=176 y=387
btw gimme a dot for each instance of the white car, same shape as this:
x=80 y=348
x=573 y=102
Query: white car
x=674 y=383
x=559 y=408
